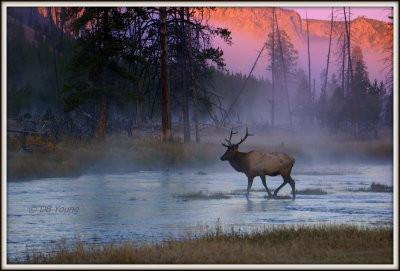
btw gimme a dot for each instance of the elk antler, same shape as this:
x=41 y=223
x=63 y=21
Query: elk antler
x=247 y=134
x=230 y=138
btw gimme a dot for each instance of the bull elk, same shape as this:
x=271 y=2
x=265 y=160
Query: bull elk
x=257 y=163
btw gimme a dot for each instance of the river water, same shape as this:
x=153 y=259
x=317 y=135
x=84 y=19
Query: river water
x=150 y=206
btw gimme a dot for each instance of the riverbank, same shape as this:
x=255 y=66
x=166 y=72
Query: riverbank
x=70 y=157
x=323 y=244
x=145 y=151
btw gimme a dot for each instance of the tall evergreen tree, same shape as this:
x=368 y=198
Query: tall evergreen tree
x=191 y=56
x=302 y=107
x=369 y=96
x=96 y=64
x=388 y=109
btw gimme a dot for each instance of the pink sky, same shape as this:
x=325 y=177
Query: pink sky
x=324 y=13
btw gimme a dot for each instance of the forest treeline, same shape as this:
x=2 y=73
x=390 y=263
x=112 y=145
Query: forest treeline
x=88 y=72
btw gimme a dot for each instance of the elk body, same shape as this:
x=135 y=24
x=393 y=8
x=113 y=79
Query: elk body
x=257 y=163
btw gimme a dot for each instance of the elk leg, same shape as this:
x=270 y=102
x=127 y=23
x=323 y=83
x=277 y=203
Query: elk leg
x=285 y=181
x=293 y=185
x=264 y=182
x=279 y=188
x=249 y=184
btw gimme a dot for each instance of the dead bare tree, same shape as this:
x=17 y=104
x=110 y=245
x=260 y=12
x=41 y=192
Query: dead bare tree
x=194 y=91
x=216 y=105
x=186 y=122
x=242 y=88
x=309 y=67
x=309 y=60
x=53 y=29
x=388 y=50
x=166 y=115
x=313 y=94
x=273 y=70
x=284 y=72
x=350 y=74
x=329 y=53
x=339 y=31
x=343 y=64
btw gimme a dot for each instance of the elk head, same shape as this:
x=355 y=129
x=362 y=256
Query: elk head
x=233 y=148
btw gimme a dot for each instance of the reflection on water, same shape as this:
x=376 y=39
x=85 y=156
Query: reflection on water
x=147 y=206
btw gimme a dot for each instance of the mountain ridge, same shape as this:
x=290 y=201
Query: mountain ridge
x=250 y=27
x=258 y=21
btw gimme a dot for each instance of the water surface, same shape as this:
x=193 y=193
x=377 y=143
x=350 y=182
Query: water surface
x=149 y=206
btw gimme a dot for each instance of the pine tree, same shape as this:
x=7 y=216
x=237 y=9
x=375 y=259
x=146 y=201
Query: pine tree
x=369 y=96
x=302 y=107
x=96 y=70
x=336 y=111
x=388 y=109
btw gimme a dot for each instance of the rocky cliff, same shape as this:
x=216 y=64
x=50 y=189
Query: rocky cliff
x=257 y=21
x=251 y=25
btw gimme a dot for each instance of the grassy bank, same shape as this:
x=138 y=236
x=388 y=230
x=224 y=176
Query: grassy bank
x=334 y=244
x=71 y=157
x=145 y=151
